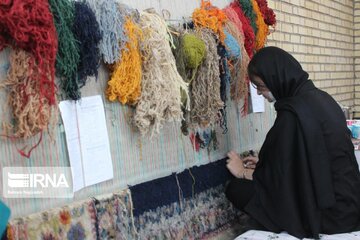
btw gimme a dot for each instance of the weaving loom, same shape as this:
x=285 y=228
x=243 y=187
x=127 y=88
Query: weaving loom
x=199 y=208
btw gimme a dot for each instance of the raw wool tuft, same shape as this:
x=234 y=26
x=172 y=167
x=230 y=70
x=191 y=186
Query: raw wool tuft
x=209 y=16
x=67 y=58
x=263 y=29
x=31 y=113
x=111 y=26
x=239 y=77
x=29 y=25
x=125 y=81
x=205 y=89
x=161 y=83
x=87 y=32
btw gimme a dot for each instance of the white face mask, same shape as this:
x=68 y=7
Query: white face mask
x=269 y=96
x=272 y=98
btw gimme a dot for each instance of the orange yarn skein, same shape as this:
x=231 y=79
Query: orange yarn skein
x=125 y=81
x=210 y=17
x=263 y=28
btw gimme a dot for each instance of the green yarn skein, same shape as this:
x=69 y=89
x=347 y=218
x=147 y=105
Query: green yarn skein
x=194 y=50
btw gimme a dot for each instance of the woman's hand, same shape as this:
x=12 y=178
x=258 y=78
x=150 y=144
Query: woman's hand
x=250 y=162
x=235 y=164
x=241 y=168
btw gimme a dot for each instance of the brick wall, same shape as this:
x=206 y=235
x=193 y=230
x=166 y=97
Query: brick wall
x=357 y=55
x=320 y=34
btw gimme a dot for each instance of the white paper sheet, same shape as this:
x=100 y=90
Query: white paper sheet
x=87 y=141
x=263 y=235
x=257 y=101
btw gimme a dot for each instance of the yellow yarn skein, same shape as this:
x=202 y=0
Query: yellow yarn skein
x=263 y=28
x=125 y=81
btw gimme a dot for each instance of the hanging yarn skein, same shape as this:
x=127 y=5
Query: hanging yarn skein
x=194 y=50
x=161 y=83
x=31 y=112
x=247 y=7
x=263 y=29
x=29 y=25
x=205 y=89
x=238 y=68
x=67 y=58
x=232 y=46
x=189 y=53
x=211 y=17
x=267 y=13
x=239 y=77
x=234 y=18
x=111 y=26
x=87 y=33
x=247 y=29
x=125 y=81
x=225 y=78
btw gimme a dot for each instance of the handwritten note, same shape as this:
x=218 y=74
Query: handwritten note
x=87 y=141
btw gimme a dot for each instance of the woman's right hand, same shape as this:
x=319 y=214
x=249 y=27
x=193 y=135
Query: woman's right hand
x=250 y=162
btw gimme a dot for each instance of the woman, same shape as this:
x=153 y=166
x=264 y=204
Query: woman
x=306 y=180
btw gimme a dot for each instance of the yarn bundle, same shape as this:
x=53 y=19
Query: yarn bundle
x=262 y=28
x=165 y=73
x=205 y=89
x=28 y=28
x=239 y=85
x=111 y=26
x=210 y=17
x=31 y=113
x=161 y=83
x=125 y=82
x=87 y=33
x=246 y=29
x=67 y=57
x=189 y=52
